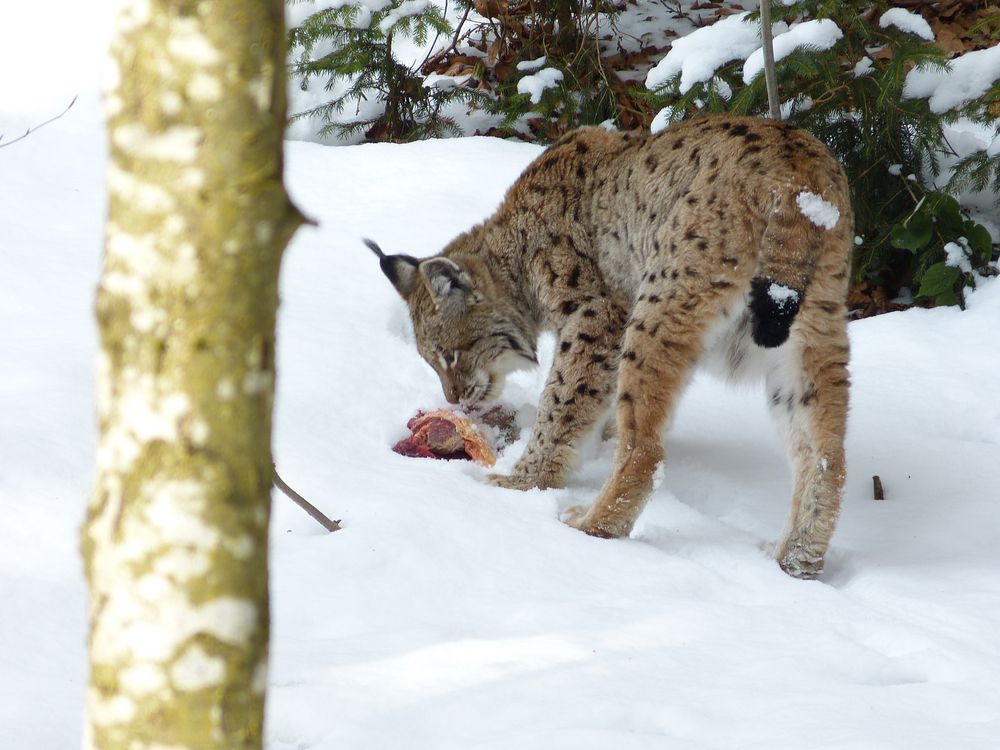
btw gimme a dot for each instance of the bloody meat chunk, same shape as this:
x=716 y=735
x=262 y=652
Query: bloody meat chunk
x=444 y=434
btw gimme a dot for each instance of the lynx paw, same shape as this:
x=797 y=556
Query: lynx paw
x=514 y=481
x=573 y=515
x=578 y=516
x=527 y=479
x=800 y=562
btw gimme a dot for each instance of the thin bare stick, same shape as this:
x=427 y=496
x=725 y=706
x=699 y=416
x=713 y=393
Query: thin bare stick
x=29 y=131
x=433 y=59
x=308 y=507
x=770 y=77
x=430 y=49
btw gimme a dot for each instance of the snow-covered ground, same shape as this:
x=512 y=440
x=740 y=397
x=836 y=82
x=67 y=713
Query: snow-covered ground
x=451 y=614
x=448 y=613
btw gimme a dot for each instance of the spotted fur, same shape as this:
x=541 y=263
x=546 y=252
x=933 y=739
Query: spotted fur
x=646 y=255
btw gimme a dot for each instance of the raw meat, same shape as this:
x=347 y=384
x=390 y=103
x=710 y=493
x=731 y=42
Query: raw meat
x=444 y=434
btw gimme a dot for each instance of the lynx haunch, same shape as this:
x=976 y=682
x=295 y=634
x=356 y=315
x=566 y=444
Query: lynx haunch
x=722 y=240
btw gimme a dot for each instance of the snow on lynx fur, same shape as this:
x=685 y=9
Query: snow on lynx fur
x=647 y=254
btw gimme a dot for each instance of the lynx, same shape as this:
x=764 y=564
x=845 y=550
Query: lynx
x=721 y=240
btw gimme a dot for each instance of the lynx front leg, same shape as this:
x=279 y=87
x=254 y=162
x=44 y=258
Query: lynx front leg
x=661 y=345
x=575 y=396
x=645 y=398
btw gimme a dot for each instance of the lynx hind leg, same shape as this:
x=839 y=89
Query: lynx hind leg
x=662 y=342
x=807 y=391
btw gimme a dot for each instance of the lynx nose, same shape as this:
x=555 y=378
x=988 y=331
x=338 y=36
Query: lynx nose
x=450 y=392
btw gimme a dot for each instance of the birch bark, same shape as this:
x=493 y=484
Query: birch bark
x=175 y=540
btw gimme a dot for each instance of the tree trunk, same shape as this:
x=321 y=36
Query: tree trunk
x=175 y=541
x=565 y=14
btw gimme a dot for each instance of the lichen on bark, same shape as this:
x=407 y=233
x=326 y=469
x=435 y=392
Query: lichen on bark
x=175 y=541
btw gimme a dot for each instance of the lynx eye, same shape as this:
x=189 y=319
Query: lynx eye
x=447 y=359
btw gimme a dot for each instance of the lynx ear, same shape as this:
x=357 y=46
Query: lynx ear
x=401 y=270
x=449 y=284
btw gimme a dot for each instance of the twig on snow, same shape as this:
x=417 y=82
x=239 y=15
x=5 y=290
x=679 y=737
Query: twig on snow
x=29 y=131
x=877 y=490
x=308 y=507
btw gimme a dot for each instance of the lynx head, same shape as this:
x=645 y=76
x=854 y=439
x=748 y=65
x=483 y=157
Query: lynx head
x=469 y=335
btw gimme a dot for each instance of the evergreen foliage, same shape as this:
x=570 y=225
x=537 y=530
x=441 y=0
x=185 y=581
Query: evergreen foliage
x=359 y=54
x=981 y=170
x=565 y=34
x=351 y=47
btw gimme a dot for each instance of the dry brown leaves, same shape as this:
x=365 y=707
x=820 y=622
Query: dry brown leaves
x=959 y=25
x=865 y=300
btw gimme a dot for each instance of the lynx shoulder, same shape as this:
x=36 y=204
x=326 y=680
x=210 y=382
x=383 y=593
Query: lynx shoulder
x=720 y=240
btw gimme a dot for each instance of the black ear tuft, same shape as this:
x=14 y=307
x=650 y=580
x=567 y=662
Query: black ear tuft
x=401 y=270
x=373 y=246
x=773 y=307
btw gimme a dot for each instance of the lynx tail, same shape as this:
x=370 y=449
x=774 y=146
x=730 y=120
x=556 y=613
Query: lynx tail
x=773 y=307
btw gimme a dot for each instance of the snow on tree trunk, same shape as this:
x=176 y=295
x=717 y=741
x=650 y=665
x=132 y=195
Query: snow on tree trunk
x=175 y=541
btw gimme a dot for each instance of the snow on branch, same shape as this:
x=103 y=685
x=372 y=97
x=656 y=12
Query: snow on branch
x=546 y=78
x=908 y=21
x=820 y=34
x=966 y=78
x=406 y=8
x=699 y=54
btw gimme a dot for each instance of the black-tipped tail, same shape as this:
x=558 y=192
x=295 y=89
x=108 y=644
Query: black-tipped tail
x=773 y=307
